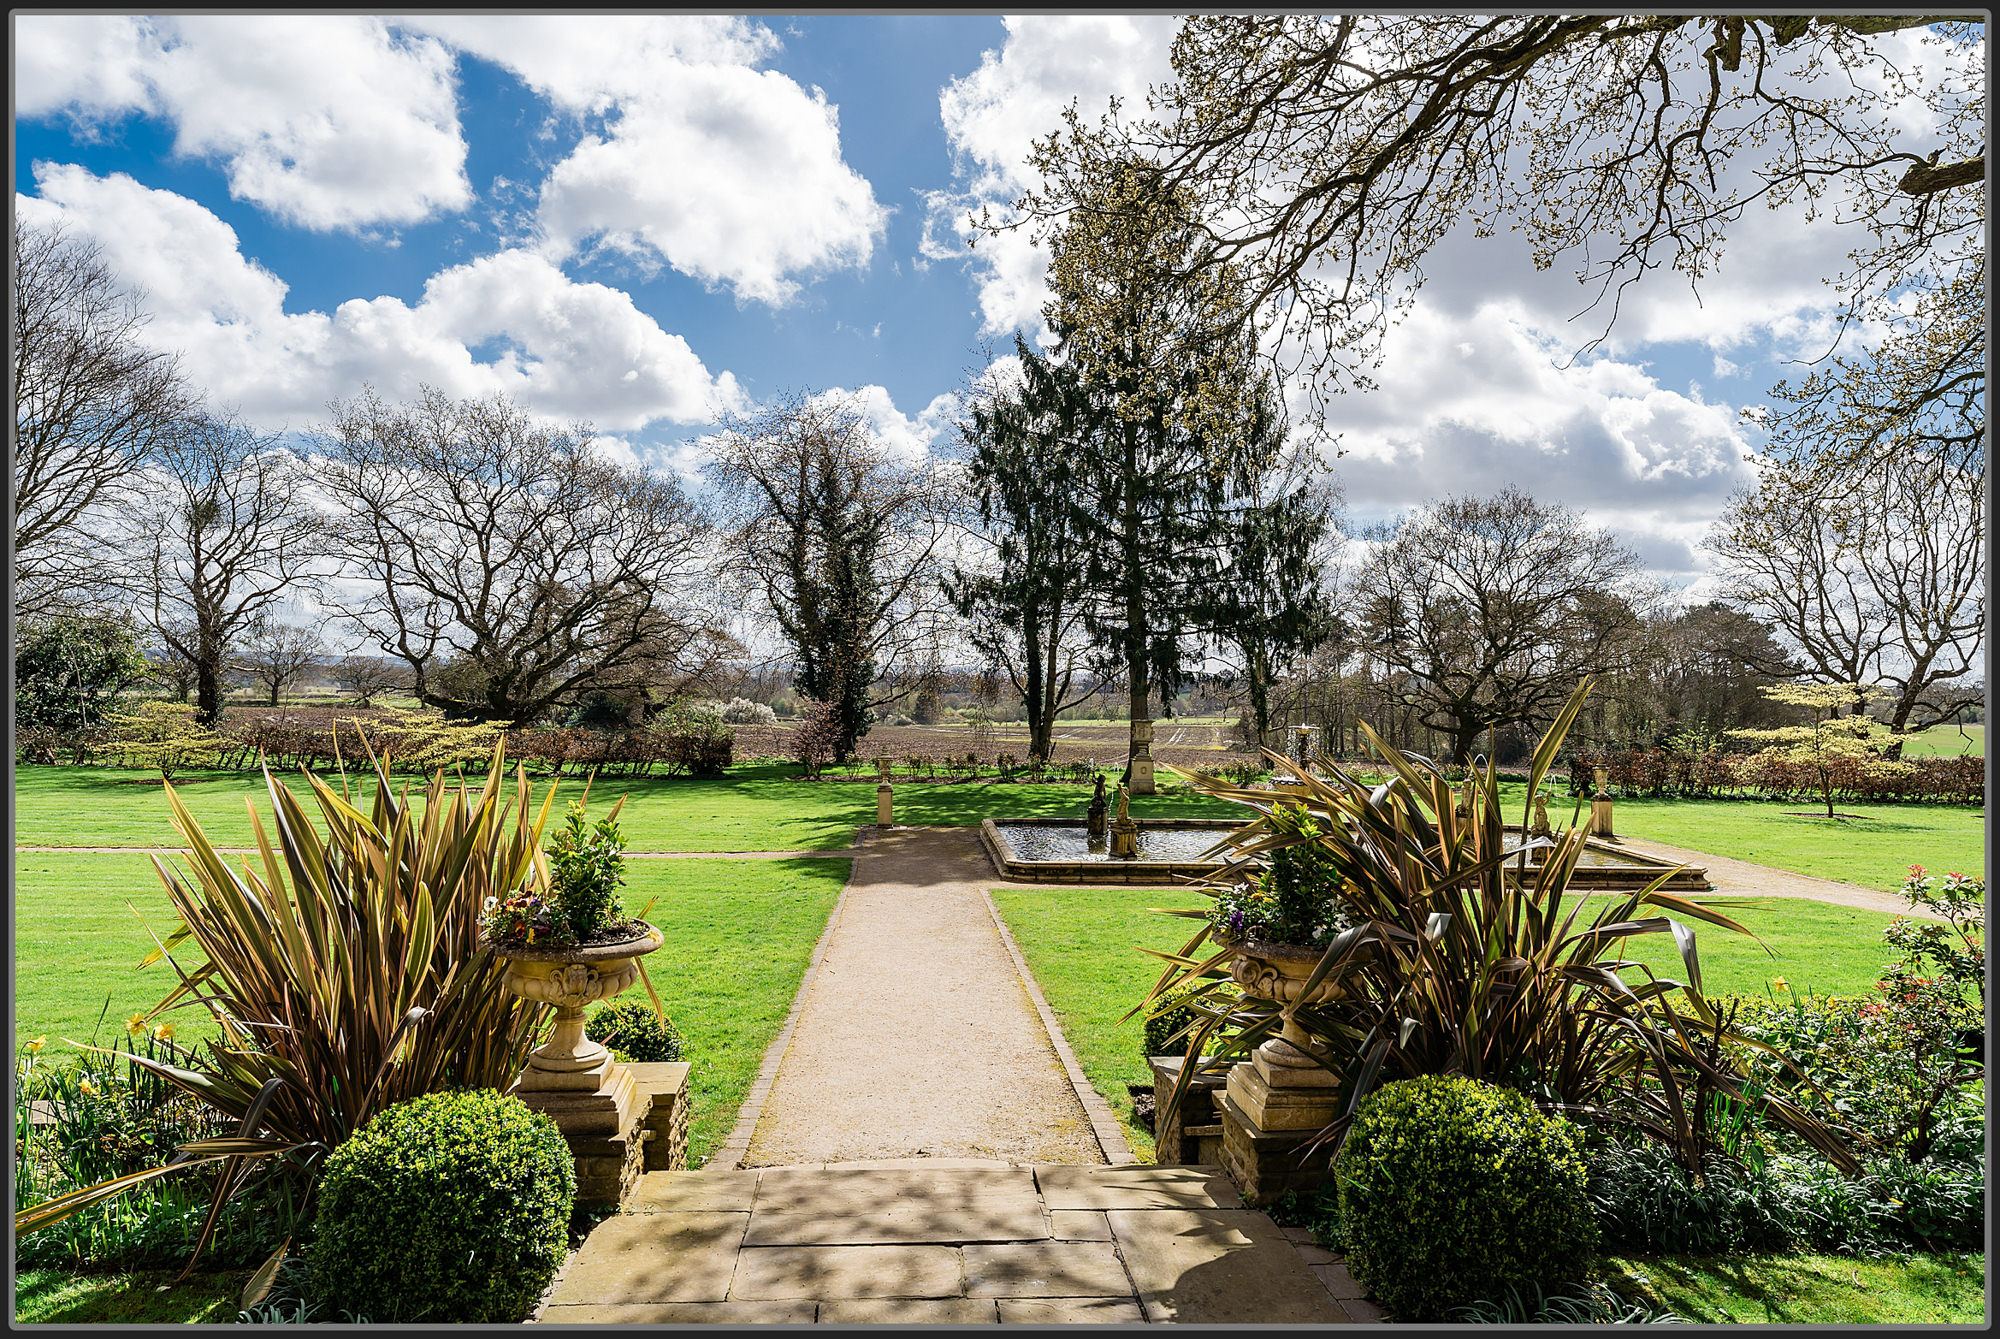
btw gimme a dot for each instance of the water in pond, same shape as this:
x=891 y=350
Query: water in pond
x=1032 y=841
x=1071 y=842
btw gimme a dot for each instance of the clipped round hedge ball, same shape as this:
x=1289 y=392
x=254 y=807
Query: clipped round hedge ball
x=449 y=1207
x=632 y=1030
x=1452 y=1190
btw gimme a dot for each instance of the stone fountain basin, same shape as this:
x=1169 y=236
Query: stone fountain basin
x=1099 y=866
x=1603 y=868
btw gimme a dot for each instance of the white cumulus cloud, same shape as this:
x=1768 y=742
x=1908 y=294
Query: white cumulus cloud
x=728 y=173
x=509 y=322
x=326 y=122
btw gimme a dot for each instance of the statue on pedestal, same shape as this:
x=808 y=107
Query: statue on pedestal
x=1124 y=832
x=1094 y=821
x=1541 y=826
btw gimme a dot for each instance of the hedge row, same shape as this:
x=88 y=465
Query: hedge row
x=413 y=741
x=1770 y=774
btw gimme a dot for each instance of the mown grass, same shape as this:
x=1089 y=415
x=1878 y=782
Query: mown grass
x=766 y=808
x=58 y=1297
x=1873 y=845
x=1923 y=1289
x=752 y=808
x=739 y=933
x=1083 y=946
x=1947 y=741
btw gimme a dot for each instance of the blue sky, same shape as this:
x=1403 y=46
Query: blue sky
x=647 y=221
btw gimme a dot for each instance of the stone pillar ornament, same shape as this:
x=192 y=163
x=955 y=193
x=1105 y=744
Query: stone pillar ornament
x=885 y=806
x=1600 y=808
x=1141 y=762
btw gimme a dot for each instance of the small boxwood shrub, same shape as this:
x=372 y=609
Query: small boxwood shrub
x=1451 y=1190
x=450 y=1207
x=633 y=1031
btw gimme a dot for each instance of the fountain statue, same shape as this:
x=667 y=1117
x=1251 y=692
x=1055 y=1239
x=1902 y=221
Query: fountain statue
x=1540 y=827
x=1094 y=820
x=1124 y=832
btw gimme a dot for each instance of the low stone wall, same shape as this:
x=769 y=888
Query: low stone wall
x=1104 y=871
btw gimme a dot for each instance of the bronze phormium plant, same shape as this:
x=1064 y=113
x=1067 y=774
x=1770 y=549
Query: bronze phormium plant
x=344 y=970
x=1460 y=957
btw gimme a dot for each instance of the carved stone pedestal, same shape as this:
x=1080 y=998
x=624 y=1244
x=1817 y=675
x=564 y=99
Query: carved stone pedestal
x=1265 y=1164
x=1276 y=1101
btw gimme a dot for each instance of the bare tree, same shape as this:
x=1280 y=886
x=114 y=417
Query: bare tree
x=511 y=554
x=90 y=405
x=1331 y=153
x=836 y=540
x=277 y=655
x=1874 y=576
x=224 y=536
x=1496 y=608
x=365 y=678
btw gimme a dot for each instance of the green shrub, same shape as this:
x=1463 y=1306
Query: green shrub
x=1646 y=1204
x=586 y=869
x=451 y=1207
x=634 y=1032
x=1451 y=1190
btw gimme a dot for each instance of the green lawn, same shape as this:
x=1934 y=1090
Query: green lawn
x=1874 y=848
x=1926 y=1289
x=753 y=808
x=1947 y=740
x=739 y=933
x=1080 y=944
x=57 y=1297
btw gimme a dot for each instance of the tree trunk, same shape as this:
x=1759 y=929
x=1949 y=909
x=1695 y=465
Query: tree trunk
x=208 y=680
x=1464 y=734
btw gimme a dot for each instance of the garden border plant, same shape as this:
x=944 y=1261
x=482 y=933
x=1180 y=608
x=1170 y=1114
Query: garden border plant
x=345 y=973
x=1456 y=957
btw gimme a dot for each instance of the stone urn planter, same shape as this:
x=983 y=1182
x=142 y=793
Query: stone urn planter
x=570 y=1076
x=1274 y=1103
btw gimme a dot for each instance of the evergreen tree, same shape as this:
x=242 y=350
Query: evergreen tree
x=1024 y=612
x=1174 y=442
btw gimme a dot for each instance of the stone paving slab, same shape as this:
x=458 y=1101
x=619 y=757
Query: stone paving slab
x=973 y=1221
x=679 y=1257
x=838 y=1273
x=683 y=1313
x=1070 y=1311
x=1046 y=1269
x=909 y=1311
x=685 y=1192
x=841 y=1190
x=1137 y=1188
x=1079 y=1225
x=1219 y=1267
x=676 y=1258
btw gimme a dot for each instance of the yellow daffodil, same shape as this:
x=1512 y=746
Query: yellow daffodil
x=86 y=1087
x=37 y=1043
x=136 y=1025
x=164 y=1032
x=1778 y=983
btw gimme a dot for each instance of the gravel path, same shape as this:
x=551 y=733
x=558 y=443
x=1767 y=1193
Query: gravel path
x=915 y=1035
x=1740 y=878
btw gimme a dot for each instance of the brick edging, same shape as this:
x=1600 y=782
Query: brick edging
x=730 y=1154
x=1103 y=1122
